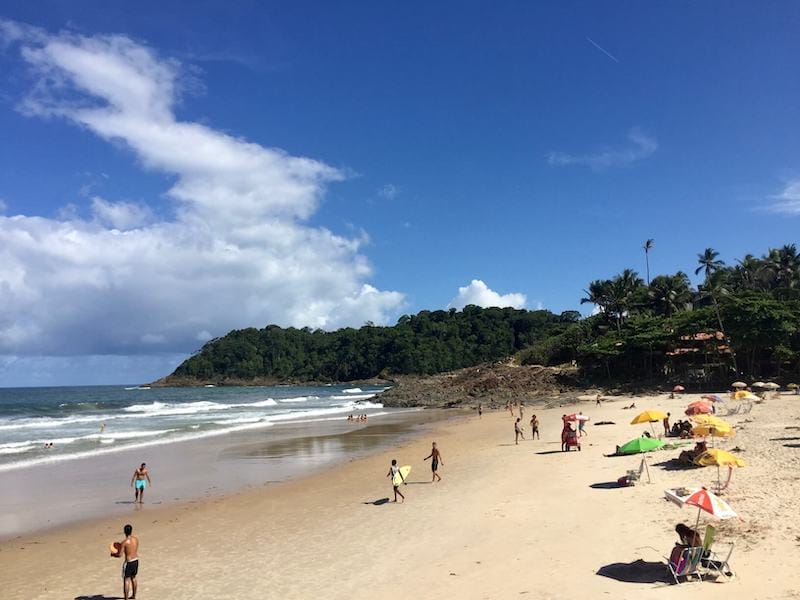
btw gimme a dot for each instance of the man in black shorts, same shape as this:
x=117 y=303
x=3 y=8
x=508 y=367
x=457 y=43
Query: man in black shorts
x=436 y=457
x=130 y=567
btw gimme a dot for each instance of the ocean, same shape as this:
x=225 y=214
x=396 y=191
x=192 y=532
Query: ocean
x=49 y=425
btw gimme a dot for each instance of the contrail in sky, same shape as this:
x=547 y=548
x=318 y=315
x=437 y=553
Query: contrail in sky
x=603 y=50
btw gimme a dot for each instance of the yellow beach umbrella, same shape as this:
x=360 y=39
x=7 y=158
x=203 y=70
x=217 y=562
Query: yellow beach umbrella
x=712 y=420
x=704 y=430
x=649 y=416
x=719 y=458
x=742 y=394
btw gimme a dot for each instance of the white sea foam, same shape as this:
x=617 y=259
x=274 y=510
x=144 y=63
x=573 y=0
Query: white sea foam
x=298 y=399
x=354 y=397
x=353 y=391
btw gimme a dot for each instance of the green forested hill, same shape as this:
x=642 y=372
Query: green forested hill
x=425 y=343
x=742 y=321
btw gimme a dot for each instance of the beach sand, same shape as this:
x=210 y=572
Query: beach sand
x=506 y=522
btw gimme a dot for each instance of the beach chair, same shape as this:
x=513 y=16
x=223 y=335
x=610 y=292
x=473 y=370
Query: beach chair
x=569 y=439
x=635 y=475
x=715 y=563
x=686 y=563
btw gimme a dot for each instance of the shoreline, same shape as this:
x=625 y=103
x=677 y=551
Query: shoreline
x=96 y=485
x=505 y=521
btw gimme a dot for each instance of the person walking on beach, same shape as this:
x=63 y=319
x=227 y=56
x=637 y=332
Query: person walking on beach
x=394 y=470
x=581 y=424
x=436 y=458
x=480 y=410
x=130 y=565
x=535 y=427
x=139 y=481
x=521 y=407
x=518 y=431
x=666 y=425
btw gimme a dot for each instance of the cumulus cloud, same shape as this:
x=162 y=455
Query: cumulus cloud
x=788 y=201
x=641 y=146
x=236 y=251
x=479 y=294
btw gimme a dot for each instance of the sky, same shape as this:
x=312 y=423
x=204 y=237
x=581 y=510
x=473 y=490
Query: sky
x=170 y=170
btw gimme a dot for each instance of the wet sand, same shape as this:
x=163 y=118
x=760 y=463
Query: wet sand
x=50 y=496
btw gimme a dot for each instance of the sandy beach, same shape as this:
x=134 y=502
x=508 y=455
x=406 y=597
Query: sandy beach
x=507 y=521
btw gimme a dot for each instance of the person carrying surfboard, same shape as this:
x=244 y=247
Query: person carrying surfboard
x=437 y=459
x=397 y=477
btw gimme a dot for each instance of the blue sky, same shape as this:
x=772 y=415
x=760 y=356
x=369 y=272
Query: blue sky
x=532 y=147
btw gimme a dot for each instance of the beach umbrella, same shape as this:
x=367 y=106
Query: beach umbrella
x=743 y=394
x=738 y=384
x=711 y=420
x=759 y=384
x=697 y=408
x=678 y=388
x=713 y=430
x=792 y=386
x=720 y=458
x=649 y=416
x=712 y=398
x=772 y=386
x=709 y=502
x=640 y=445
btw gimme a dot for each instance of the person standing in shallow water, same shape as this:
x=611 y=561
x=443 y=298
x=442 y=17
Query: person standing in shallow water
x=518 y=431
x=139 y=481
x=395 y=470
x=436 y=457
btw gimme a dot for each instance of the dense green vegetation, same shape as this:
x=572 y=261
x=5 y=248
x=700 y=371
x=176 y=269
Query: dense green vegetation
x=741 y=321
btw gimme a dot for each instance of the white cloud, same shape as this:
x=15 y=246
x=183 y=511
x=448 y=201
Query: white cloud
x=120 y=215
x=3 y=206
x=788 y=201
x=478 y=293
x=641 y=146
x=389 y=191
x=237 y=251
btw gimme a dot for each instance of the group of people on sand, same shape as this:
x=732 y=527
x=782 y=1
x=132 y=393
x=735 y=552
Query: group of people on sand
x=520 y=434
x=357 y=417
x=399 y=479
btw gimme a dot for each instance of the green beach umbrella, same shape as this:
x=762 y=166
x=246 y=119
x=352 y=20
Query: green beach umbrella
x=639 y=445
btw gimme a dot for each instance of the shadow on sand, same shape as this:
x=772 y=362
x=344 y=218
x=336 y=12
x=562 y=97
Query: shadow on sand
x=673 y=464
x=791 y=445
x=606 y=485
x=551 y=452
x=378 y=502
x=98 y=597
x=638 y=571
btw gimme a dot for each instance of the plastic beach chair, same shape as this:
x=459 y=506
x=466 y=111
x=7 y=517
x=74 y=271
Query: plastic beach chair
x=714 y=562
x=687 y=563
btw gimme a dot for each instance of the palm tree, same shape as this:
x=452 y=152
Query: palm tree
x=648 y=245
x=669 y=293
x=597 y=294
x=709 y=263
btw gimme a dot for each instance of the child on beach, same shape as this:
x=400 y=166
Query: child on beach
x=437 y=458
x=581 y=425
x=518 y=431
x=395 y=470
x=535 y=427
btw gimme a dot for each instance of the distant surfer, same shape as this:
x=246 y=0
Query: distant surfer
x=436 y=459
x=139 y=481
x=394 y=471
x=129 y=550
x=518 y=431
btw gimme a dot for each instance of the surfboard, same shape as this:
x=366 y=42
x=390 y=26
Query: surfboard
x=115 y=548
x=405 y=470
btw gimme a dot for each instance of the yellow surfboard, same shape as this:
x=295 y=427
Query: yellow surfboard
x=404 y=470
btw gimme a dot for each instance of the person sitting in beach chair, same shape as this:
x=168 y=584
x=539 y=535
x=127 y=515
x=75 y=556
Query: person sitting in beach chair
x=687 y=457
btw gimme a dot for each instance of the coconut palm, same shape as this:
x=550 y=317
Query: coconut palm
x=597 y=294
x=709 y=263
x=669 y=293
x=648 y=245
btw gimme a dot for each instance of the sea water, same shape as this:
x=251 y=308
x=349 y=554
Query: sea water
x=44 y=425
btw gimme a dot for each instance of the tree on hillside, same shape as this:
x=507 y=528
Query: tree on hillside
x=710 y=264
x=669 y=293
x=648 y=245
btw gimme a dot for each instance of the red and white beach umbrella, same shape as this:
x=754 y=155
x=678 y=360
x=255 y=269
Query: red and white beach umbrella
x=699 y=408
x=678 y=388
x=709 y=502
